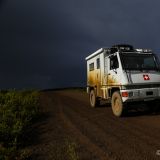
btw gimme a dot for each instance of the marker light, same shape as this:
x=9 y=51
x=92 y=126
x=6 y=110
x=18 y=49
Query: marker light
x=124 y=94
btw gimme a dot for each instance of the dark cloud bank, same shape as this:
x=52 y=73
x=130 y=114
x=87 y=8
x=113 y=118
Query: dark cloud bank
x=43 y=43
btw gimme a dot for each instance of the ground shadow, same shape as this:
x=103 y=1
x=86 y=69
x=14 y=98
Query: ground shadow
x=104 y=104
x=134 y=110
x=141 y=110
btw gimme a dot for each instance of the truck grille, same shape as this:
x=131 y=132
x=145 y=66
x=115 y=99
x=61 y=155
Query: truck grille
x=149 y=93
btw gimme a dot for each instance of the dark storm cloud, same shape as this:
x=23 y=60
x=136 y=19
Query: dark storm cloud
x=2 y=3
x=43 y=43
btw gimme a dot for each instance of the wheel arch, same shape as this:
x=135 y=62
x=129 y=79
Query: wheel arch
x=92 y=88
x=114 y=89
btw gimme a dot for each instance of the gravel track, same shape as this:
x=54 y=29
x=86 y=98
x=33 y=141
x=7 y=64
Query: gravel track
x=99 y=135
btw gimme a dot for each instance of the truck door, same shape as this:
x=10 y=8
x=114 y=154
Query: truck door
x=98 y=76
x=113 y=77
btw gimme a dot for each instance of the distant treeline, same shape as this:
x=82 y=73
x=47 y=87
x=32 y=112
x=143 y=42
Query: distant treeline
x=67 y=88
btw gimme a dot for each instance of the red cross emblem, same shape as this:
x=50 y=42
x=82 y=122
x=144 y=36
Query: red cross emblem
x=146 y=77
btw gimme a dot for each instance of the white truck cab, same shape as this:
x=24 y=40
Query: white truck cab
x=122 y=74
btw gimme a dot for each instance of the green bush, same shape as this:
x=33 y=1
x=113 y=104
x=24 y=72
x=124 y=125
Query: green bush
x=17 y=111
x=71 y=150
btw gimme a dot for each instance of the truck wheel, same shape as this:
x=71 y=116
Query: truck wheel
x=92 y=98
x=117 y=104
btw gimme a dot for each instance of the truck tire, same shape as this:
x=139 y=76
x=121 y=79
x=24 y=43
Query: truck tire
x=93 y=99
x=117 y=104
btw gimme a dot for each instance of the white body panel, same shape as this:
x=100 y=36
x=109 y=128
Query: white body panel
x=137 y=77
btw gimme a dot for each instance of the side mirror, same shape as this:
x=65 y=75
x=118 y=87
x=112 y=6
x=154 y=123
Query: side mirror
x=115 y=70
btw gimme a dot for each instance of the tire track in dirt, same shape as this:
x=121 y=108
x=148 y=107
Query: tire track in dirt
x=98 y=133
x=100 y=154
x=133 y=135
x=110 y=135
x=137 y=123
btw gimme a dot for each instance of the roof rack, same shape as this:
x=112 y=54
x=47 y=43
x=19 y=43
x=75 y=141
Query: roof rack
x=122 y=47
x=143 y=50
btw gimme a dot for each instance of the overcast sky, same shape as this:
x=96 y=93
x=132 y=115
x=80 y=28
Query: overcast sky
x=43 y=43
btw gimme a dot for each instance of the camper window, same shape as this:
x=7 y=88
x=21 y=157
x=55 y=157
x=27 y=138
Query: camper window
x=91 y=67
x=98 y=63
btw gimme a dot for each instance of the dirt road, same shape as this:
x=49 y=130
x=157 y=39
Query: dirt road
x=96 y=133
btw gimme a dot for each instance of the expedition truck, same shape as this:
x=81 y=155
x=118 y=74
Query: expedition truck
x=121 y=75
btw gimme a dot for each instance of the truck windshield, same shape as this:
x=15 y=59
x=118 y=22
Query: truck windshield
x=138 y=61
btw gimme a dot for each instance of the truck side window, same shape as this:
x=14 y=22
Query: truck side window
x=91 y=67
x=98 y=63
x=114 y=62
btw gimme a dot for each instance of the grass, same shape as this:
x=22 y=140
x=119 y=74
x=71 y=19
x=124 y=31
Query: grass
x=71 y=150
x=66 y=151
x=18 y=109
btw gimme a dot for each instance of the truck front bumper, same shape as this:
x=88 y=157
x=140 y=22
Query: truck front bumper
x=144 y=94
